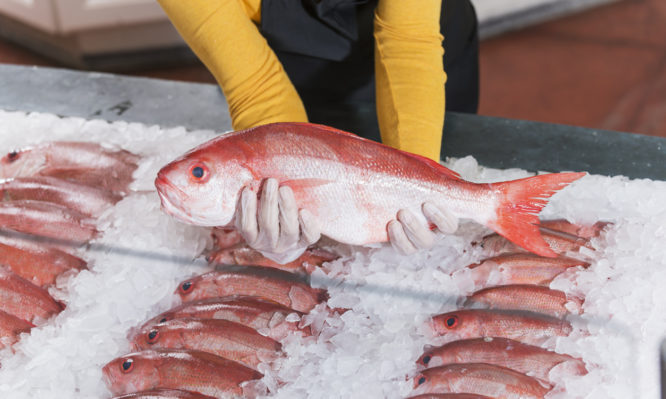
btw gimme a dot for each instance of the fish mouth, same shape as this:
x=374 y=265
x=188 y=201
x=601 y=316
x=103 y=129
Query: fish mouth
x=170 y=196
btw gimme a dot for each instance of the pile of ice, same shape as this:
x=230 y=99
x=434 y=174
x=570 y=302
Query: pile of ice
x=371 y=350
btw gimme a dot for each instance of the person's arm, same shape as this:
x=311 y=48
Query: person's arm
x=409 y=75
x=226 y=40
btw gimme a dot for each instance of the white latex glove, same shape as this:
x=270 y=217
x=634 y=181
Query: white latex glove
x=408 y=234
x=277 y=229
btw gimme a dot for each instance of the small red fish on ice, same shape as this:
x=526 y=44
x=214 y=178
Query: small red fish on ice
x=353 y=186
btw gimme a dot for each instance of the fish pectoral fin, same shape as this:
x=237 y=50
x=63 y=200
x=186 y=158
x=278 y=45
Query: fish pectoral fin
x=301 y=184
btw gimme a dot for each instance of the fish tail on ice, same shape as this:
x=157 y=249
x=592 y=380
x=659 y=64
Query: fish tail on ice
x=520 y=202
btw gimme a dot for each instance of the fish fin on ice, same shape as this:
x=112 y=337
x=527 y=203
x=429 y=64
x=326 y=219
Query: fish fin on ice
x=520 y=202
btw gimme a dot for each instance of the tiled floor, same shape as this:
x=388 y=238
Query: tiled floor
x=604 y=68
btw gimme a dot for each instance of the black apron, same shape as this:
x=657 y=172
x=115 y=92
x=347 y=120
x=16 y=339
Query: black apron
x=327 y=50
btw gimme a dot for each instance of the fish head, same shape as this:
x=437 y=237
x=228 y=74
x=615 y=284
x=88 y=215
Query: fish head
x=131 y=373
x=23 y=162
x=432 y=380
x=160 y=318
x=456 y=325
x=198 y=287
x=166 y=334
x=202 y=187
x=429 y=359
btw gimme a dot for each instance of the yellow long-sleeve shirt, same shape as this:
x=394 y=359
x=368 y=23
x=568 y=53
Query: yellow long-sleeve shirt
x=408 y=67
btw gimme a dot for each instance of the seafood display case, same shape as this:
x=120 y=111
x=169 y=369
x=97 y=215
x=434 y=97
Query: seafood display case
x=341 y=320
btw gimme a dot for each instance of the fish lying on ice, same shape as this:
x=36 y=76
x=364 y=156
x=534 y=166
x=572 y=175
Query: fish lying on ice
x=187 y=370
x=281 y=287
x=224 y=338
x=479 y=378
x=520 y=268
x=47 y=220
x=526 y=327
x=245 y=256
x=561 y=243
x=87 y=163
x=351 y=185
x=527 y=359
x=580 y=230
x=267 y=317
x=532 y=298
x=36 y=262
x=25 y=300
x=88 y=200
x=164 y=394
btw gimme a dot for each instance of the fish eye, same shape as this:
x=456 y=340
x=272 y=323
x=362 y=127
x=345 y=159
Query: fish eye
x=152 y=336
x=421 y=380
x=127 y=365
x=163 y=320
x=426 y=360
x=451 y=322
x=199 y=172
x=12 y=156
x=186 y=287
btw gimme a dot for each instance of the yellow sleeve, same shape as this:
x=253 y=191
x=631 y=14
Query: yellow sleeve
x=225 y=39
x=410 y=75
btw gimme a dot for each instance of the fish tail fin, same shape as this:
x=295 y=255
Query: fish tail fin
x=520 y=202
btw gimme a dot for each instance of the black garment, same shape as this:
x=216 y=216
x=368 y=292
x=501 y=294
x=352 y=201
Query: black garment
x=327 y=49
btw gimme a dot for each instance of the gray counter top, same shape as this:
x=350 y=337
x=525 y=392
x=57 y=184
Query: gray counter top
x=494 y=142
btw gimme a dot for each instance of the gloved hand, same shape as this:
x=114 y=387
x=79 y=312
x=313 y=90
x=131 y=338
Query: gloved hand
x=277 y=229
x=408 y=234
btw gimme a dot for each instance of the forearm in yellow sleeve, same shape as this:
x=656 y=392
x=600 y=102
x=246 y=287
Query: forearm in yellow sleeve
x=223 y=36
x=409 y=75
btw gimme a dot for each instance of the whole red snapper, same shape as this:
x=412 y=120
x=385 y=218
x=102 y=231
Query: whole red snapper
x=46 y=220
x=580 y=230
x=86 y=163
x=520 y=268
x=560 y=243
x=479 y=378
x=527 y=359
x=25 y=300
x=245 y=256
x=526 y=327
x=36 y=262
x=87 y=200
x=532 y=298
x=164 y=394
x=269 y=318
x=220 y=337
x=353 y=186
x=281 y=288
x=187 y=370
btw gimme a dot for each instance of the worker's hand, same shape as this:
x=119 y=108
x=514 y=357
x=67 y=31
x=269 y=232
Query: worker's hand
x=409 y=234
x=276 y=228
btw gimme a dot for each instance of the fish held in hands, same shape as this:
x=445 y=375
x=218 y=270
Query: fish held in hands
x=520 y=268
x=478 y=378
x=87 y=163
x=25 y=300
x=10 y=328
x=220 y=337
x=351 y=185
x=527 y=359
x=37 y=263
x=267 y=317
x=160 y=393
x=47 y=220
x=88 y=200
x=187 y=370
x=245 y=256
x=526 y=327
x=281 y=288
x=532 y=298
